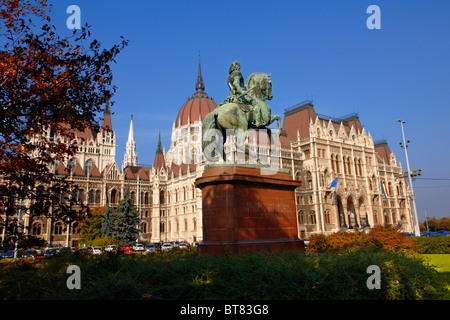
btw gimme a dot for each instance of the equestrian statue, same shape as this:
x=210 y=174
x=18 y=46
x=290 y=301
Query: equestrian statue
x=244 y=109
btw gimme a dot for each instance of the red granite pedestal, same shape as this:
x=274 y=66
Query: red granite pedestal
x=247 y=210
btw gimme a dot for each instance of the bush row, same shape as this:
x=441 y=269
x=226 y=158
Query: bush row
x=186 y=275
x=432 y=245
x=378 y=238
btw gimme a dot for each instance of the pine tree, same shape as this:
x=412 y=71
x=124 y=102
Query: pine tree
x=125 y=229
x=108 y=222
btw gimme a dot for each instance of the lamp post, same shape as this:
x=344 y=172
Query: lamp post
x=413 y=195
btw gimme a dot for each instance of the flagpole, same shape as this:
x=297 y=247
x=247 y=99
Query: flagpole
x=413 y=195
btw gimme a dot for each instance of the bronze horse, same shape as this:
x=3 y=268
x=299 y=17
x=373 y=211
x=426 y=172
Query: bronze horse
x=239 y=117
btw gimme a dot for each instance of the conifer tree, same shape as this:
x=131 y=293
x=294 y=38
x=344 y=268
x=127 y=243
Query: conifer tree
x=125 y=229
x=108 y=222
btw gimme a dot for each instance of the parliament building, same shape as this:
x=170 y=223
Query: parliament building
x=316 y=149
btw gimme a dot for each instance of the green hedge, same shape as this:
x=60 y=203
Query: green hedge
x=186 y=275
x=432 y=245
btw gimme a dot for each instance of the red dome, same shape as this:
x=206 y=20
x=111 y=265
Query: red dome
x=195 y=108
x=198 y=106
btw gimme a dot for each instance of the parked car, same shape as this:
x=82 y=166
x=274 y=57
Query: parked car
x=150 y=247
x=86 y=249
x=127 y=248
x=38 y=250
x=29 y=254
x=8 y=254
x=138 y=247
x=183 y=245
x=64 y=249
x=111 y=248
x=49 y=252
x=166 y=246
x=176 y=244
x=97 y=250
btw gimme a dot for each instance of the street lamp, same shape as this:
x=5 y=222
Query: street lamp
x=413 y=195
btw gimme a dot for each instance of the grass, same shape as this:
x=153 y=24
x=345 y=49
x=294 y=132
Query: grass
x=441 y=262
x=184 y=275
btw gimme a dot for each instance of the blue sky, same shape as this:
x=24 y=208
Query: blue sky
x=321 y=50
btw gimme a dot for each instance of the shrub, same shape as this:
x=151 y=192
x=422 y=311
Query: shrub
x=104 y=242
x=179 y=275
x=432 y=245
x=378 y=238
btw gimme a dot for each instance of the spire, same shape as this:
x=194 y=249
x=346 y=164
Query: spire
x=159 y=149
x=200 y=85
x=106 y=122
x=130 y=157
x=131 y=131
x=159 y=156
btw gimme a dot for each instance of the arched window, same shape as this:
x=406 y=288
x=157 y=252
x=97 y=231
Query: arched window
x=185 y=225
x=194 y=224
x=161 y=196
x=80 y=196
x=97 y=196
x=327 y=216
x=344 y=161
x=143 y=227
x=58 y=228
x=355 y=162
x=309 y=179
x=312 y=217
x=338 y=168
x=36 y=229
x=301 y=218
x=91 y=196
x=114 y=196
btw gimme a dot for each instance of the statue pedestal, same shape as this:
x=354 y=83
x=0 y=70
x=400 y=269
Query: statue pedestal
x=245 y=211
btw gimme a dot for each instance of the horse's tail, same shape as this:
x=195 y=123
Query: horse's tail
x=208 y=123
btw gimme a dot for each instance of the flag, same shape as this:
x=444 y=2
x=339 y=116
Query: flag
x=385 y=190
x=334 y=183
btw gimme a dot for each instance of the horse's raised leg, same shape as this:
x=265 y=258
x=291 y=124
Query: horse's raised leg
x=278 y=119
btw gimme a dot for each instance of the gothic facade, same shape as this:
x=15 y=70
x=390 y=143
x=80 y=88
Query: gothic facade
x=316 y=150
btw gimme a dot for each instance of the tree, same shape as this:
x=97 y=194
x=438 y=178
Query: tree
x=50 y=86
x=127 y=220
x=108 y=222
x=90 y=226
